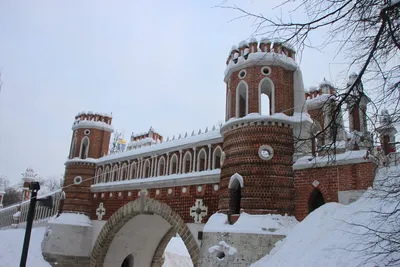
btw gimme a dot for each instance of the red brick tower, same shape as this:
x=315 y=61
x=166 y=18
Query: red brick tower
x=257 y=175
x=90 y=140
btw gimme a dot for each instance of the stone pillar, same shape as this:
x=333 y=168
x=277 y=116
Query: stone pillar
x=209 y=157
x=180 y=161
x=194 y=159
x=167 y=168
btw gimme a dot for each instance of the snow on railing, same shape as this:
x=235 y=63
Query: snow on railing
x=15 y=215
x=393 y=159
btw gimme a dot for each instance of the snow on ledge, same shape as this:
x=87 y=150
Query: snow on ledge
x=100 y=125
x=278 y=117
x=349 y=157
x=75 y=219
x=193 y=178
x=318 y=101
x=271 y=224
x=79 y=160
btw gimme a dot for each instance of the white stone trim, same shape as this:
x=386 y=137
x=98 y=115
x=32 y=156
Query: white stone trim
x=184 y=160
x=99 y=125
x=213 y=156
x=205 y=159
x=236 y=177
x=238 y=97
x=86 y=152
x=271 y=98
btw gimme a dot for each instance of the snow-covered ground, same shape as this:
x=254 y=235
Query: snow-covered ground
x=11 y=247
x=334 y=235
x=176 y=254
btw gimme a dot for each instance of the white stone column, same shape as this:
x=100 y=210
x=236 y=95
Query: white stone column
x=141 y=168
x=194 y=159
x=180 y=161
x=167 y=168
x=155 y=166
x=151 y=166
x=209 y=157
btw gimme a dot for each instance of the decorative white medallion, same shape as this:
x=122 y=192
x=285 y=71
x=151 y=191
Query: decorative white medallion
x=315 y=183
x=102 y=195
x=119 y=194
x=129 y=194
x=184 y=189
x=198 y=211
x=265 y=152
x=157 y=192
x=199 y=188
x=170 y=191
x=111 y=194
x=94 y=195
x=100 y=211
x=216 y=187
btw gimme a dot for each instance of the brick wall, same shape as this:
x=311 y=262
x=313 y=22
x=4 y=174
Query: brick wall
x=268 y=185
x=99 y=142
x=330 y=180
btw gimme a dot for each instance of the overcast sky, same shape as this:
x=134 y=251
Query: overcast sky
x=150 y=63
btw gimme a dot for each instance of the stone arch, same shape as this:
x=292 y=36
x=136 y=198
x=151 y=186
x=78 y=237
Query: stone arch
x=173 y=166
x=267 y=87
x=242 y=99
x=124 y=172
x=133 y=170
x=146 y=169
x=187 y=162
x=73 y=149
x=99 y=175
x=135 y=208
x=235 y=193
x=216 y=158
x=158 y=259
x=84 y=151
x=114 y=174
x=161 y=166
x=315 y=200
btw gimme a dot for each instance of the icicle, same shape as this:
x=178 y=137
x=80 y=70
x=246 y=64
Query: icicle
x=180 y=136
x=206 y=130
x=199 y=132
x=193 y=133
x=185 y=135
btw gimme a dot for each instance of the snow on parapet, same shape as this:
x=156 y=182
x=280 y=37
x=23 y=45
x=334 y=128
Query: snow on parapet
x=168 y=145
x=265 y=52
x=95 y=120
x=272 y=224
x=349 y=157
x=72 y=219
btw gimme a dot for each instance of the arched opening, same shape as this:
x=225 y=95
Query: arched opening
x=98 y=176
x=187 y=162
x=228 y=105
x=202 y=161
x=235 y=193
x=161 y=167
x=128 y=261
x=266 y=97
x=133 y=170
x=107 y=175
x=84 y=148
x=241 y=100
x=124 y=172
x=73 y=149
x=173 y=167
x=146 y=245
x=216 y=163
x=146 y=169
x=315 y=201
x=114 y=175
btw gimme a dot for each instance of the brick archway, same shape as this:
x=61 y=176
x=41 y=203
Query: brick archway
x=132 y=209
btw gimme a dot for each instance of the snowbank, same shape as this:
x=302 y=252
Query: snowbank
x=72 y=219
x=176 y=254
x=11 y=247
x=336 y=235
x=251 y=224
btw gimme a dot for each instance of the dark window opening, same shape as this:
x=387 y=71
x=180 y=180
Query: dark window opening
x=128 y=261
x=235 y=195
x=315 y=201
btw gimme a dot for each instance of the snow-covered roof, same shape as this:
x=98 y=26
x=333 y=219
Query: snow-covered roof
x=271 y=224
x=349 y=157
x=277 y=117
x=318 y=101
x=183 y=179
x=100 y=125
x=79 y=160
x=72 y=219
x=94 y=113
x=161 y=148
x=261 y=58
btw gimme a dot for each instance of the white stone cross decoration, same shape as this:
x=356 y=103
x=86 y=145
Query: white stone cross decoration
x=100 y=211
x=198 y=211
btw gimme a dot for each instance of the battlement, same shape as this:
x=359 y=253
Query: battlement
x=324 y=88
x=94 y=116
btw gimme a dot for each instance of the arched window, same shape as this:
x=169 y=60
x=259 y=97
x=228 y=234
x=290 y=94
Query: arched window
x=146 y=169
x=98 y=176
x=266 y=103
x=202 y=160
x=315 y=201
x=216 y=163
x=228 y=105
x=73 y=149
x=132 y=171
x=114 y=175
x=161 y=166
x=241 y=100
x=124 y=172
x=173 y=166
x=187 y=162
x=84 y=148
x=107 y=175
x=235 y=193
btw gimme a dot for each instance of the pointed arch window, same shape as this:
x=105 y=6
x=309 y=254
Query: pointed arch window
x=216 y=162
x=73 y=149
x=146 y=169
x=114 y=175
x=235 y=193
x=316 y=200
x=124 y=172
x=202 y=160
x=133 y=171
x=187 y=162
x=174 y=164
x=242 y=100
x=161 y=167
x=228 y=105
x=84 y=152
x=99 y=176
x=107 y=175
x=266 y=97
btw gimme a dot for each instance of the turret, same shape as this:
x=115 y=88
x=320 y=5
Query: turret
x=264 y=97
x=27 y=177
